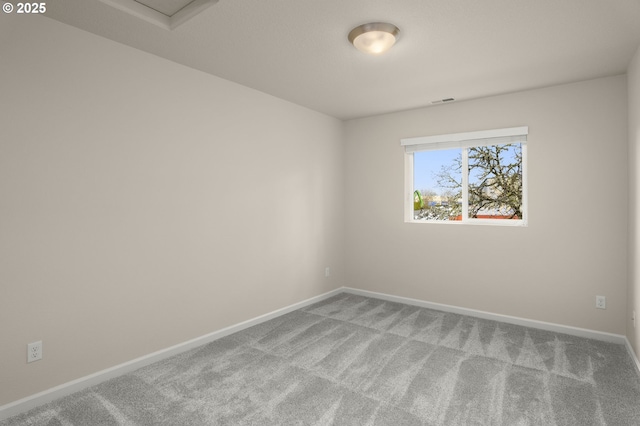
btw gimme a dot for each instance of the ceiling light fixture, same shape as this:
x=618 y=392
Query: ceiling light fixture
x=374 y=38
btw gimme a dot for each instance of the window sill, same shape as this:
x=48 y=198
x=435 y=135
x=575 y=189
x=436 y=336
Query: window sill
x=474 y=222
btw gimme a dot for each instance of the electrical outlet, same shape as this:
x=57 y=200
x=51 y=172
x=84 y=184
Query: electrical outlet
x=327 y=272
x=601 y=302
x=34 y=351
x=633 y=318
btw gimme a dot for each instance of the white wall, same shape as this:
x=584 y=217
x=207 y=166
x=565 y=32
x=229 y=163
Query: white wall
x=575 y=245
x=633 y=81
x=143 y=204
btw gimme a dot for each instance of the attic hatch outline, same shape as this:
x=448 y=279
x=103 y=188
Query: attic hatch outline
x=143 y=9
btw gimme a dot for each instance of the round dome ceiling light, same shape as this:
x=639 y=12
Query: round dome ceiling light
x=374 y=38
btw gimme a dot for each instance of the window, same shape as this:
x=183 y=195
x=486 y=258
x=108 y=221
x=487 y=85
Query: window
x=476 y=177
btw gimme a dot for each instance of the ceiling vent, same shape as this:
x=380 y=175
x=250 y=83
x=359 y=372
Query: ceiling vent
x=167 y=14
x=442 y=101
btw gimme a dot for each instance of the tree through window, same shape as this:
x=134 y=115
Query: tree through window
x=470 y=177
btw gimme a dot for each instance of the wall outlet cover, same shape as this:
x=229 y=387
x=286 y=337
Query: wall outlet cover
x=34 y=351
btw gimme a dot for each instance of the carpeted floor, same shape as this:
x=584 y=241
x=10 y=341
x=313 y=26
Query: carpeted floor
x=353 y=360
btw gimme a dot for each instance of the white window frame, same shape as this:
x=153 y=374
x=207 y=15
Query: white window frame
x=463 y=141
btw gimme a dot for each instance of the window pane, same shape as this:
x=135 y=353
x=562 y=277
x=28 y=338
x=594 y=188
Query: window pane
x=437 y=180
x=495 y=182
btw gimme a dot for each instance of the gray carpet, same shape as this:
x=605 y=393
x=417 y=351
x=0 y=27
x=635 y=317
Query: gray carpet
x=353 y=360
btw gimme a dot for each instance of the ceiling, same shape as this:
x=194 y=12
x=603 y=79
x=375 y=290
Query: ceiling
x=166 y=7
x=298 y=49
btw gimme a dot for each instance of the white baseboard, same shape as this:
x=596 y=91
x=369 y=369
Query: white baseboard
x=633 y=355
x=41 y=398
x=28 y=403
x=574 y=331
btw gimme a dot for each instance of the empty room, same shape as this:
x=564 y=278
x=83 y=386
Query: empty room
x=340 y=212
